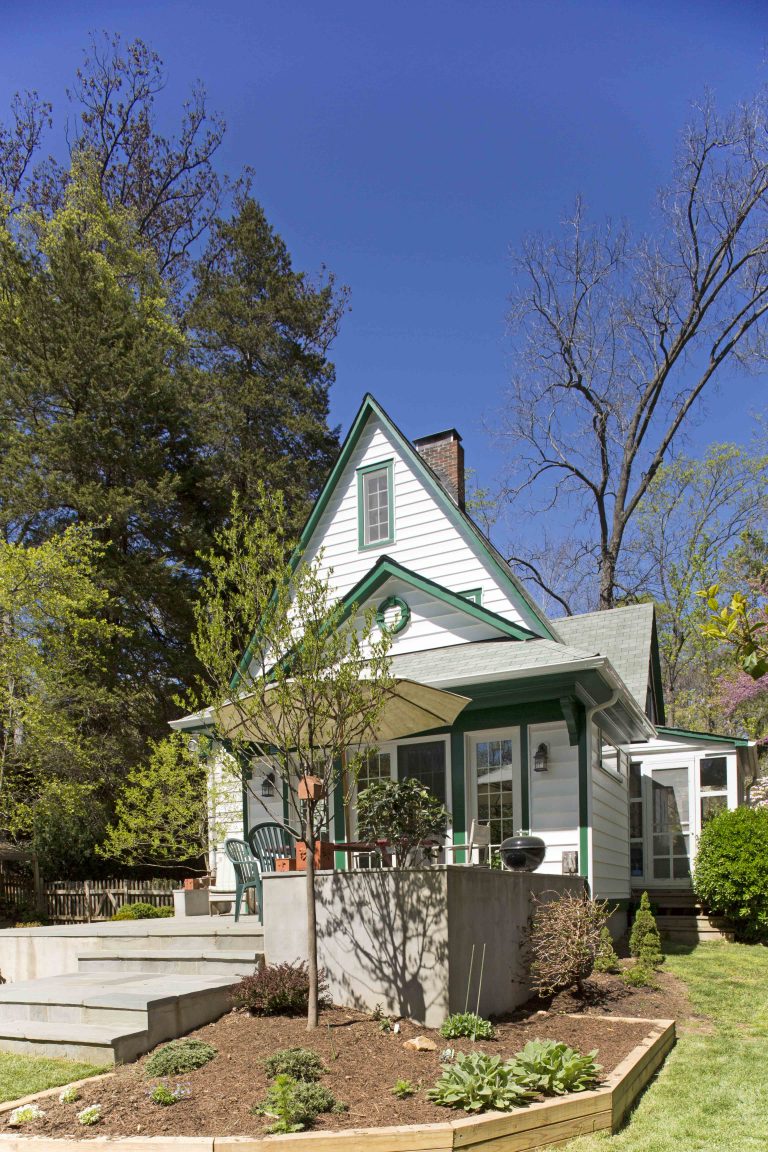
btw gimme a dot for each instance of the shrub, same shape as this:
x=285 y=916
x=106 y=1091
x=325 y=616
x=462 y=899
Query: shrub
x=639 y=976
x=299 y=1063
x=644 y=939
x=563 y=941
x=466 y=1024
x=69 y=1095
x=552 y=1068
x=278 y=989
x=402 y=812
x=478 y=1083
x=606 y=959
x=141 y=912
x=731 y=870
x=294 y=1104
x=178 y=1057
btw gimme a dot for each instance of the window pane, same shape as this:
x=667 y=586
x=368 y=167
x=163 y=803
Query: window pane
x=424 y=762
x=714 y=774
x=636 y=859
x=661 y=868
x=681 y=869
x=636 y=820
x=376 y=505
x=376 y=766
x=635 y=780
x=711 y=805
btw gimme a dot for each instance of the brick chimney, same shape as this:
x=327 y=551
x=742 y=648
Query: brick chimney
x=445 y=456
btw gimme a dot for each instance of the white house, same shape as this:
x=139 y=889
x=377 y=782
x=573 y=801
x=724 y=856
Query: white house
x=565 y=731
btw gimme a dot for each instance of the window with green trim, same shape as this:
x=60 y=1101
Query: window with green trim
x=375 y=505
x=473 y=594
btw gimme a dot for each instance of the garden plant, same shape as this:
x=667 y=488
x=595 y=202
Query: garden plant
x=730 y=876
x=564 y=939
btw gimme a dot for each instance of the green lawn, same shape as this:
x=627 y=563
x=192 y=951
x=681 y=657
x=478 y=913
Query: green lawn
x=22 y=1075
x=711 y=1093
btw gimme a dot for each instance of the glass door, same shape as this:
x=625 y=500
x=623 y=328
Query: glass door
x=494 y=759
x=671 y=824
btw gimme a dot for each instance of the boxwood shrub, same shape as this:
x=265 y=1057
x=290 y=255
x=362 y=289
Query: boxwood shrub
x=141 y=911
x=731 y=870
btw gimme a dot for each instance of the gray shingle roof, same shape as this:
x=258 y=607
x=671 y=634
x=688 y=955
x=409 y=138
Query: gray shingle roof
x=623 y=635
x=463 y=663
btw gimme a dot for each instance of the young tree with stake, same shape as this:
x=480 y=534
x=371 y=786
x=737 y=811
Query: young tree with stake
x=312 y=685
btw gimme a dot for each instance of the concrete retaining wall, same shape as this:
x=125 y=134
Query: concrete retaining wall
x=403 y=939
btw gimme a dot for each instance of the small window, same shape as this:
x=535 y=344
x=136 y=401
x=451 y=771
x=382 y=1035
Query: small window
x=473 y=594
x=713 y=785
x=374 y=505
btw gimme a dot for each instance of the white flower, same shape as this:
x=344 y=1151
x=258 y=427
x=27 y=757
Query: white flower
x=90 y=1115
x=24 y=1114
x=69 y=1094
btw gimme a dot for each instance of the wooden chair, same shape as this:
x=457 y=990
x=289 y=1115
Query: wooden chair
x=247 y=874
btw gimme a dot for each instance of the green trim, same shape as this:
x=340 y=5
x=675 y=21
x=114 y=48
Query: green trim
x=525 y=779
x=458 y=791
x=380 y=466
x=245 y=775
x=386 y=568
x=473 y=594
x=583 y=800
x=462 y=522
x=704 y=737
x=386 y=606
x=340 y=858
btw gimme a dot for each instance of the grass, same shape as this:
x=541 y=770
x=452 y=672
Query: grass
x=710 y=1095
x=23 y=1075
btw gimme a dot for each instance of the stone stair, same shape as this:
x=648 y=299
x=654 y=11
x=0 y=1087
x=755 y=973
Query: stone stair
x=129 y=994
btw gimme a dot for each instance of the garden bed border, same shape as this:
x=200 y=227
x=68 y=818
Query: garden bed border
x=542 y=1124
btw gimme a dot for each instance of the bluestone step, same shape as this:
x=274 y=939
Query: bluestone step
x=90 y=1043
x=172 y=961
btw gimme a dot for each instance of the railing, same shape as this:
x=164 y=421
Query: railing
x=85 y=901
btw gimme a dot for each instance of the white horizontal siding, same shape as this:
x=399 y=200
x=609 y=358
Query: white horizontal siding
x=554 y=794
x=225 y=816
x=433 y=623
x=610 y=828
x=426 y=540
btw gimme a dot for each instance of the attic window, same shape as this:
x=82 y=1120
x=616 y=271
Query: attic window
x=375 y=505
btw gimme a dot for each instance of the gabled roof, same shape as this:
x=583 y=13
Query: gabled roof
x=627 y=636
x=386 y=568
x=465 y=525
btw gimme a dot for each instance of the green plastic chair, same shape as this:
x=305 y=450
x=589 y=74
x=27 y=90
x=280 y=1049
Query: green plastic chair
x=268 y=841
x=247 y=874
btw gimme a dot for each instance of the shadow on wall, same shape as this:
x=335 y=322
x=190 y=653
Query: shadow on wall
x=383 y=937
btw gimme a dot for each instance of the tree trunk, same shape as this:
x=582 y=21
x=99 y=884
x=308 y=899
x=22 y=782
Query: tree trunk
x=312 y=1010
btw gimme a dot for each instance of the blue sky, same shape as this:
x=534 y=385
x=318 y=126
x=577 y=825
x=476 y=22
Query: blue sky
x=410 y=146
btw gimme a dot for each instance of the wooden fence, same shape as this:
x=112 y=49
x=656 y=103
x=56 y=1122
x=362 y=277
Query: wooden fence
x=84 y=901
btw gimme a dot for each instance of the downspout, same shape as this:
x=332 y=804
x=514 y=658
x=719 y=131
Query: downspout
x=585 y=830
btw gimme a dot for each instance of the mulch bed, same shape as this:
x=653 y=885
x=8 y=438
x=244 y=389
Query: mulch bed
x=363 y=1064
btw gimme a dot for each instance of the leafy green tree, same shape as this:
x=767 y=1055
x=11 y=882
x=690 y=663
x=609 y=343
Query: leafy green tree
x=95 y=421
x=312 y=685
x=52 y=629
x=262 y=333
x=161 y=812
x=402 y=812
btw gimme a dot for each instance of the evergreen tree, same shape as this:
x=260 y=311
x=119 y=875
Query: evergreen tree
x=97 y=430
x=644 y=939
x=262 y=333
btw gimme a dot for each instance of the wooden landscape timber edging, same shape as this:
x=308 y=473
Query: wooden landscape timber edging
x=539 y=1125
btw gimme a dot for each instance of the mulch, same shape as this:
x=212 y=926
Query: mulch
x=363 y=1063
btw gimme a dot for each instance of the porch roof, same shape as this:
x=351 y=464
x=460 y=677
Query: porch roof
x=499 y=661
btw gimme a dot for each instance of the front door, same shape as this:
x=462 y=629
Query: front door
x=494 y=760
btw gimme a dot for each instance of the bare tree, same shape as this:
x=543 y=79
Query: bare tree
x=169 y=183
x=618 y=339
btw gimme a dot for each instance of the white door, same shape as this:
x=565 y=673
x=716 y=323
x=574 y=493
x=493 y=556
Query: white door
x=670 y=825
x=494 y=779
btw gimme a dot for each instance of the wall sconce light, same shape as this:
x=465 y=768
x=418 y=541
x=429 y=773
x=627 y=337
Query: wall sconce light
x=268 y=784
x=541 y=758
